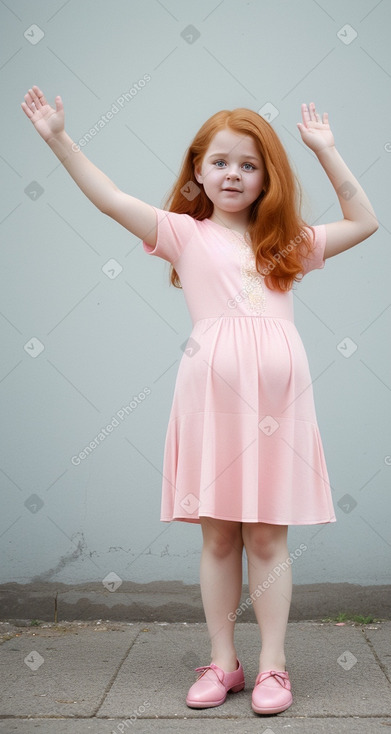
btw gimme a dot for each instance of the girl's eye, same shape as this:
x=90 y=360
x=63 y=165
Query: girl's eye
x=245 y=164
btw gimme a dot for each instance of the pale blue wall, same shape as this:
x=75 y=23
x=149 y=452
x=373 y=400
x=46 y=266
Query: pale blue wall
x=105 y=340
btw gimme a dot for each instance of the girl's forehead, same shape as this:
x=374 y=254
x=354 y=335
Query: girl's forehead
x=229 y=142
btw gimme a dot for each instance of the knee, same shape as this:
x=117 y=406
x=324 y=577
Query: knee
x=221 y=541
x=265 y=541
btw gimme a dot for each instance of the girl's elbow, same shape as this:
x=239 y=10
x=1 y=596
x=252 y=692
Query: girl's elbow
x=371 y=227
x=375 y=226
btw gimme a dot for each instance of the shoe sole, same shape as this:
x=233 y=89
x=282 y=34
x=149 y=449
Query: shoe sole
x=203 y=705
x=267 y=711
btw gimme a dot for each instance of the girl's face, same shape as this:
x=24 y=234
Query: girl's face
x=232 y=161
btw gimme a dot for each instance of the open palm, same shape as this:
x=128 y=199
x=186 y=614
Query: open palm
x=47 y=120
x=315 y=132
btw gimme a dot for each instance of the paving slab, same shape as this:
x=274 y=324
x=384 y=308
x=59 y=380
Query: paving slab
x=118 y=677
x=264 y=725
x=379 y=639
x=61 y=672
x=329 y=668
x=334 y=671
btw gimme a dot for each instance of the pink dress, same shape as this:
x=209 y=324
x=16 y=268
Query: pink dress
x=242 y=442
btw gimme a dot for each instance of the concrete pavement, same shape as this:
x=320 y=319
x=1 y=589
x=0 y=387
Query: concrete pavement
x=116 y=677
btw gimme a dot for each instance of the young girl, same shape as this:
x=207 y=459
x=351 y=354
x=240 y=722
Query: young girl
x=243 y=455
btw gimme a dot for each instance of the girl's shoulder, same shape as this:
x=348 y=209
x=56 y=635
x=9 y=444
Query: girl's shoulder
x=174 y=231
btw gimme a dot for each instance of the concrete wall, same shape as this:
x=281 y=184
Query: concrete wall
x=108 y=330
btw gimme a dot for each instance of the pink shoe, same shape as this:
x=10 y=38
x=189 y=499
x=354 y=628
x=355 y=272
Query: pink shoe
x=212 y=686
x=272 y=692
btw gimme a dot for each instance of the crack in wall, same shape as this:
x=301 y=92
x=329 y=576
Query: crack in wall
x=65 y=560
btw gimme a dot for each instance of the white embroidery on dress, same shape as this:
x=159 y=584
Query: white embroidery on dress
x=255 y=297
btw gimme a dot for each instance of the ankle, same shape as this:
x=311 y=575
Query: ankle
x=228 y=663
x=272 y=662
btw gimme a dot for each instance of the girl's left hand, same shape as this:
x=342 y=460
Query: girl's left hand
x=315 y=133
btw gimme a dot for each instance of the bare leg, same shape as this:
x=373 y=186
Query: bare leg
x=266 y=547
x=221 y=586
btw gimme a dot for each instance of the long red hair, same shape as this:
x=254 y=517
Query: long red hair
x=276 y=229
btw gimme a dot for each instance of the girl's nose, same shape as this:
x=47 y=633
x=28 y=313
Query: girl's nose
x=233 y=172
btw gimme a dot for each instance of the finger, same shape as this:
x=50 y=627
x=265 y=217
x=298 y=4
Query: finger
x=325 y=118
x=28 y=100
x=59 y=104
x=312 y=111
x=27 y=110
x=317 y=116
x=305 y=114
x=35 y=98
x=314 y=114
x=39 y=94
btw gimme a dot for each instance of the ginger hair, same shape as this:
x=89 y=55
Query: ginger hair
x=275 y=218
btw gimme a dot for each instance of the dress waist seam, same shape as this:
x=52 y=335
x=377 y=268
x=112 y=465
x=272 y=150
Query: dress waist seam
x=252 y=318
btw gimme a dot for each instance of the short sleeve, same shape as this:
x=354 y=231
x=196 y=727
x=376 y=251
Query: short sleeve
x=173 y=233
x=315 y=260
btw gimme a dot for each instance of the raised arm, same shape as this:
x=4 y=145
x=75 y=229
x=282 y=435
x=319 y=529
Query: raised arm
x=359 y=220
x=133 y=214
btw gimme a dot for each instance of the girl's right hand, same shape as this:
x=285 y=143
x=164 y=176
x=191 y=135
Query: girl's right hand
x=47 y=121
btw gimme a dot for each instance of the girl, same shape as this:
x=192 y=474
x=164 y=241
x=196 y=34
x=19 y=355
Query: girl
x=243 y=455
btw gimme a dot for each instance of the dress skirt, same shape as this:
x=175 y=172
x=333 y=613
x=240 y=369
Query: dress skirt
x=242 y=442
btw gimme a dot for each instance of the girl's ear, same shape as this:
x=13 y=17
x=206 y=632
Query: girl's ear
x=197 y=174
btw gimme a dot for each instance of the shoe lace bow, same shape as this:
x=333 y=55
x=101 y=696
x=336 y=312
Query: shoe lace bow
x=280 y=676
x=203 y=670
